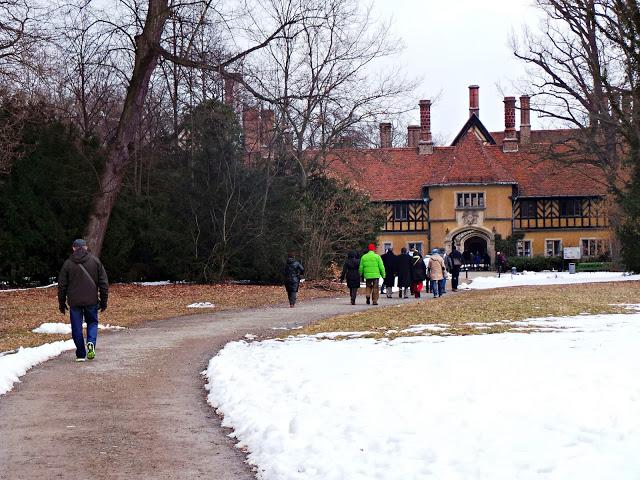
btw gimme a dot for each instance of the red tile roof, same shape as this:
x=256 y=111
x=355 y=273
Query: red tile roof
x=400 y=173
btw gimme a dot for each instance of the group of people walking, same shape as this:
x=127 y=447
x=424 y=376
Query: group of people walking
x=409 y=269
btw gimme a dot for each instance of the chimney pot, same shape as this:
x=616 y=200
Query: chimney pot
x=385 y=135
x=474 y=100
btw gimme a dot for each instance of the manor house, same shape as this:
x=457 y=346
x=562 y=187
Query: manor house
x=482 y=185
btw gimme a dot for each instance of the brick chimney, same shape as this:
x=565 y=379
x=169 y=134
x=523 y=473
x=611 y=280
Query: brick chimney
x=474 y=100
x=230 y=83
x=510 y=142
x=425 y=144
x=525 y=120
x=258 y=128
x=385 y=135
x=413 y=136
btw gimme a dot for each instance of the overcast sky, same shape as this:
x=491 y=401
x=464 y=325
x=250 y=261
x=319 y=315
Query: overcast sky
x=452 y=44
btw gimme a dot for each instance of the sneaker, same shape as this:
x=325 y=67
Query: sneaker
x=91 y=351
x=368 y=301
x=81 y=359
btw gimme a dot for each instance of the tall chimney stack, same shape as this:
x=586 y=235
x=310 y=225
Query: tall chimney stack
x=413 y=136
x=474 y=100
x=510 y=142
x=385 y=135
x=230 y=82
x=525 y=120
x=425 y=145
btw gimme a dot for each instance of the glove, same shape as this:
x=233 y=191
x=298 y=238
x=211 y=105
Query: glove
x=103 y=306
x=63 y=308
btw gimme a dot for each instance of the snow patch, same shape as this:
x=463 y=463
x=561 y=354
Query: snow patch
x=65 y=328
x=15 y=365
x=201 y=305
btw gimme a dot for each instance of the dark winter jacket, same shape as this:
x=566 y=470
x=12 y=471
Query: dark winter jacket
x=389 y=261
x=404 y=267
x=292 y=272
x=350 y=271
x=75 y=287
x=419 y=269
x=456 y=259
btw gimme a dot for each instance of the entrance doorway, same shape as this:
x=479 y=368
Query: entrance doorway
x=476 y=245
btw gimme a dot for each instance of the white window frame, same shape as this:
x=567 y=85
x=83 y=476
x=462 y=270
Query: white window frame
x=546 y=247
x=470 y=200
x=606 y=246
x=409 y=247
x=522 y=250
x=386 y=246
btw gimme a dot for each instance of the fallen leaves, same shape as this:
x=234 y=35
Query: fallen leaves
x=131 y=304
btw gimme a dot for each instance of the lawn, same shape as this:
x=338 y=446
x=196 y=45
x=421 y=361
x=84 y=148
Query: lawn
x=130 y=305
x=484 y=309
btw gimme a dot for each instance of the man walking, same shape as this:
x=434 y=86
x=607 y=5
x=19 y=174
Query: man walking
x=456 y=263
x=80 y=280
x=389 y=262
x=371 y=269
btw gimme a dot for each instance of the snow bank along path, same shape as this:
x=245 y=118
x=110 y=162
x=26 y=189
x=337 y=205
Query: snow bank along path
x=546 y=278
x=528 y=406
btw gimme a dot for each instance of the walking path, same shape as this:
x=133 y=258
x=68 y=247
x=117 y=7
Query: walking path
x=139 y=409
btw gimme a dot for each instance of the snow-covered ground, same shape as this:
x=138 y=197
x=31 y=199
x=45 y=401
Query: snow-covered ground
x=15 y=365
x=556 y=405
x=65 y=328
x=545 y=278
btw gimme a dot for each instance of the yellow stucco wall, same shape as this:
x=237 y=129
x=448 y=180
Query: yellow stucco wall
x=570 y=238
x=399 y=240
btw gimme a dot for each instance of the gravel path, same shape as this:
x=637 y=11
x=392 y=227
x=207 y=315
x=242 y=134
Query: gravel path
x=139 y=409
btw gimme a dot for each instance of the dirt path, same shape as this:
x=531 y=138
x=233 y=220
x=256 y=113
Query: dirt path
x=138 y=410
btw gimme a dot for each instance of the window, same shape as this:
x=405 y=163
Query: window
x=553 y=248
x=528 y=209
x=470 y=199
x=571 y=207
x=524 y=248
x=592 y=247
x=400 y=211
x=416 y=245
x=386 y=246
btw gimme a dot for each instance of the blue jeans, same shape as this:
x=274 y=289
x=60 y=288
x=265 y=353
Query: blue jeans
x=442 y=286
x=90 y=315
x=435 y=287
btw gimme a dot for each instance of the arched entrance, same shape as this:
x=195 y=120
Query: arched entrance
x=475 y=245
x=472 y=239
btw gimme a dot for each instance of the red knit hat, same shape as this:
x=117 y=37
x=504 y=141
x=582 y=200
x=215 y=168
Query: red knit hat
x=372 y=247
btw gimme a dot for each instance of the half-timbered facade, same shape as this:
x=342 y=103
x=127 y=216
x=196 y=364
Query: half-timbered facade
x=482 y=185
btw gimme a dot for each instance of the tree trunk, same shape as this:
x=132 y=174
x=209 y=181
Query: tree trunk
x=118 y=154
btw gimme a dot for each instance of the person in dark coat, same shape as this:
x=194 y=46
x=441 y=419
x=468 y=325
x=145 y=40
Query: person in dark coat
x=418 y=273
x=389 y=261
x=404 y=266
x=456 y=263
x=293 y=270
x=351 y=272
x=83 y=284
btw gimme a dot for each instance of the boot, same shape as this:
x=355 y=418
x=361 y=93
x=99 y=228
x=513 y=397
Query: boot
x=368 y=300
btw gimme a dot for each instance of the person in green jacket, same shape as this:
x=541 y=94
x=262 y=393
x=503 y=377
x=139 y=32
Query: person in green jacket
x=372 y=269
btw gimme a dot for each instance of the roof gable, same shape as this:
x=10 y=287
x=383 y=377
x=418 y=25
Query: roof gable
x=475 y=126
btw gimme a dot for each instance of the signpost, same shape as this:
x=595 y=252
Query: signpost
x=571 y=253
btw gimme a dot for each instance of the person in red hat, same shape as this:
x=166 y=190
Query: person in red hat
x=372 y=269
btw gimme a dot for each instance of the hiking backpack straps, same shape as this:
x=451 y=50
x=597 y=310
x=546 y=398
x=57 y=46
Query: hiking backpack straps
x=88 y=275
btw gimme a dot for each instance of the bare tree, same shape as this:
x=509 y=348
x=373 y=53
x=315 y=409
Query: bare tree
x=585 y=77
x=150 y=21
